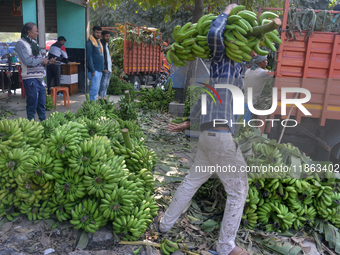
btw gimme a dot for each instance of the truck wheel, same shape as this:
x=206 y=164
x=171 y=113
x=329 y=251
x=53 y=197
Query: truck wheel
x=136 y=83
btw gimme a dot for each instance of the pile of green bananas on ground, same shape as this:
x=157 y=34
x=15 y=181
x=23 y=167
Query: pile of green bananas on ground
x=73 y=173
x=240 y=37
x=276 y=201
x=156 y=98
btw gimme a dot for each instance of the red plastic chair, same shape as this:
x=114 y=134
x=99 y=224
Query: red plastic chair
x=65 y=92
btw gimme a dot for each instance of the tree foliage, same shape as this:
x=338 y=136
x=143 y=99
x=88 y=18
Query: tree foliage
x=314 y=4
x=130 y=11
x=170 y=7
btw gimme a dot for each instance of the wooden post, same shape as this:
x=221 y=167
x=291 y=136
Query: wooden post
x=41 y=23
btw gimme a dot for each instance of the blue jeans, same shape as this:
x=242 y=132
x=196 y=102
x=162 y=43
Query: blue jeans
x=95 y=82
x=36 y=98
x=104 y=83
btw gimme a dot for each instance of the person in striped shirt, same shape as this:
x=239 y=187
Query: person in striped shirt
x=58 y=51
x=216 y=146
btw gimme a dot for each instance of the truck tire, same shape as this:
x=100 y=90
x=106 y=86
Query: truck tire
x=136 y=83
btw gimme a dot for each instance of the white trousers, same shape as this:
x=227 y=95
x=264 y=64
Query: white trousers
x=214 y=149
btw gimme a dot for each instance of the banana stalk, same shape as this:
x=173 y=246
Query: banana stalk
x=127 y=96
x=127 y=139
x=258 y=31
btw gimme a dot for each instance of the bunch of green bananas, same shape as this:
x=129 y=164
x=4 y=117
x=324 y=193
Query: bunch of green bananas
x=42 y=167
x=91 y=109
x=168 y=247
x=135 y=222
x=94 y=127
x=27 y=191
x=8 y=211
x=61 y=207
x=64 y=139
x=253 y=198
x=136 y=159
x=10 y=134
x=106 y=104
x=14 y=161
x=70 y=185
x=179 y=120
x=112 y=126
x=135 y=131
x=147 y=178
x=239 y=37
x=250 y=217
x=102 y=180
x=282 y=216
x=119 y=202
x=89 y=154
x=86 y=215
x=7 y=196
x=70 y=116
x=36 y=211
x=33 y=131
x=49 y=126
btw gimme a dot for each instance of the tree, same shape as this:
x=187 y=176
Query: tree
x=172 y=7
x=130 y=11
x=196 y=7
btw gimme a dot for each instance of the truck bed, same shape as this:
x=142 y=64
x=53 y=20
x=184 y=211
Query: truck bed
x=313 y=64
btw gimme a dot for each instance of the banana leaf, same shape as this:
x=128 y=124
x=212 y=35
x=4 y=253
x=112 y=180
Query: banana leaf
x=83 y=239
x=279 y=246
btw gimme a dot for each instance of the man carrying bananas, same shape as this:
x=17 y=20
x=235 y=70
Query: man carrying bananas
x=216 y=146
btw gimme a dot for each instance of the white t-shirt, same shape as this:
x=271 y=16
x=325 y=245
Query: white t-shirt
x=256 y=79
x=109 y=61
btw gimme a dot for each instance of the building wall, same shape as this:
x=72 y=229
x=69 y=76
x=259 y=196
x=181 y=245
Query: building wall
x=71 y=25
x=9 y=23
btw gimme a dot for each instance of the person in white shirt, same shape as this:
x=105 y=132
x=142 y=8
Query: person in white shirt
x=255 y=77
x=105 y=81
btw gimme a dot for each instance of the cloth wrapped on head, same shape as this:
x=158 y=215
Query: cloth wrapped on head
x=256 y=60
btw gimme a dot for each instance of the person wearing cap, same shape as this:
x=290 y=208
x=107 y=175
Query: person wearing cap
x=58 y=51
x=256 y=78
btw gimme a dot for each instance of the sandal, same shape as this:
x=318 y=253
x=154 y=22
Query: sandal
x=158 y=221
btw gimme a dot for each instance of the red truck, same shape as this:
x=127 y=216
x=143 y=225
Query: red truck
x=144 y=63
x=312 y=64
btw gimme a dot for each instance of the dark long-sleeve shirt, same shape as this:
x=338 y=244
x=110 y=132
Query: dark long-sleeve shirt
x=222 y=71
x=95 y=59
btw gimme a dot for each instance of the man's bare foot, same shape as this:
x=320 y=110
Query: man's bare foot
x=238 y=251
